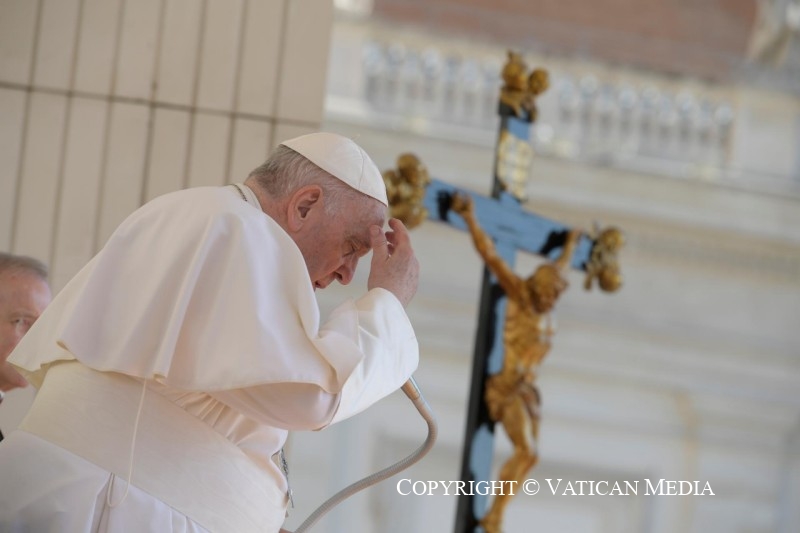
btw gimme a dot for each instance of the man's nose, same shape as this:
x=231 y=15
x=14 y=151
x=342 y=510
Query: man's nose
x=346 y=272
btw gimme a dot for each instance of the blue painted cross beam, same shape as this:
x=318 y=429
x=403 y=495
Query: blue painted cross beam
x=500 y=228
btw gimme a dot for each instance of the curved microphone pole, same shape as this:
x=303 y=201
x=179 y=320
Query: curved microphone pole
x=411 y=390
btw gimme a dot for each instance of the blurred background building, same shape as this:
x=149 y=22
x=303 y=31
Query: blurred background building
x=676 y=120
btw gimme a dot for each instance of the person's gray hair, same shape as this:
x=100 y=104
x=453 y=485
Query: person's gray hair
x=286 y=171
x=21 y=263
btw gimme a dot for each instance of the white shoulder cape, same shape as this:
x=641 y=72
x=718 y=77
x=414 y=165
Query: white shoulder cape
x=202 y=291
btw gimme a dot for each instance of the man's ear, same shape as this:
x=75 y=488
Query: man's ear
x=301 y=203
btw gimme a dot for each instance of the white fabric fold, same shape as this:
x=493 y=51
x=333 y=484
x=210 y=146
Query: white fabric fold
x=389 y=331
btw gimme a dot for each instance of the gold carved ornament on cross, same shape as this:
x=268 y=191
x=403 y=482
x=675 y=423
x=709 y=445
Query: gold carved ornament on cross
x=405 y=189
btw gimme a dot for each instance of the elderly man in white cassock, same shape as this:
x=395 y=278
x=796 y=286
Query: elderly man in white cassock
x=172 y=367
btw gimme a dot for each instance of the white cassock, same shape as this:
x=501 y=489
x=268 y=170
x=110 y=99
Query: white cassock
x=179 y=358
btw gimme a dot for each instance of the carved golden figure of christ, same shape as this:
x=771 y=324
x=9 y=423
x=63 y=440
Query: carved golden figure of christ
x=511 y=395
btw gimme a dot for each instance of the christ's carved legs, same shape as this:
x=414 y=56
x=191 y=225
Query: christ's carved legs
x=519 y=414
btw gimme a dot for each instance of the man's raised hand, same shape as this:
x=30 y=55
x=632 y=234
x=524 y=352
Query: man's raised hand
x=394 y=266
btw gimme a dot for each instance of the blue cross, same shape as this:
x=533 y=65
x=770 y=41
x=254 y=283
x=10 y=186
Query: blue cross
x=513 y=229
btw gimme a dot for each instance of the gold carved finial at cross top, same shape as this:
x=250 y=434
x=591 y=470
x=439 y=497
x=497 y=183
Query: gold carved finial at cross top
x=519 y=92
x=603 y=265
x=405 y=188
x=521 y=88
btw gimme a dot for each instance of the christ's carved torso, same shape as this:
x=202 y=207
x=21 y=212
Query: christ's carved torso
x=526 y=337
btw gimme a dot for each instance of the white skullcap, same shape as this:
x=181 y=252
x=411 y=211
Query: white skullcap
x=344 y=159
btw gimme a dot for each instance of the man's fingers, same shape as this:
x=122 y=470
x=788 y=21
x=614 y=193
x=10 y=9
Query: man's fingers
x=399 y=234
x=394 y=266
x=380 y=244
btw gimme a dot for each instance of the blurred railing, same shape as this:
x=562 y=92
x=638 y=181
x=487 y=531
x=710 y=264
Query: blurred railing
x=602 y=115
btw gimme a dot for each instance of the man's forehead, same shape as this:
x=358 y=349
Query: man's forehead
x=361 y=236
x=20 y=284
x=18 y=278
x=360 y=233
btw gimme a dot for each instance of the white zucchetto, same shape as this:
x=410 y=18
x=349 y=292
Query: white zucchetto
x=344 y=159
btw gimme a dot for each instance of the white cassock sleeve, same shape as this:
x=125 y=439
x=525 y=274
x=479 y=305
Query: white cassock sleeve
x=201 y=291
x=375 y=377
x=301 y=406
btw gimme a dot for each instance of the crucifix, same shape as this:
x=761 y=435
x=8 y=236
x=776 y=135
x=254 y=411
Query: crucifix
x=513 y=319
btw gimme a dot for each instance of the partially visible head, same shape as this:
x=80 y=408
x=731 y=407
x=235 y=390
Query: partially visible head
x=24 y=293
x=326 y=193
x=546 y=285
